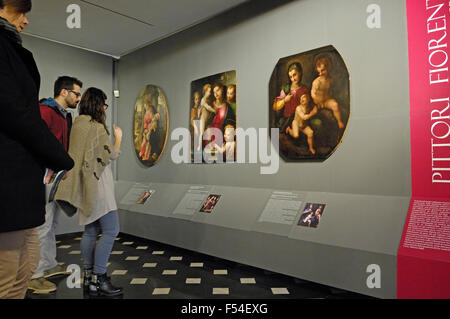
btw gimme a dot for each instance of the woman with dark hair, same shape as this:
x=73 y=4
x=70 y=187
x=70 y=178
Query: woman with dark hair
x=27 y=148
x=89 y=190
x=290 y=94
x=224 y=113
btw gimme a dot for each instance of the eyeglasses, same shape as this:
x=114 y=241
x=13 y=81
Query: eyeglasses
x=106 y=106
x=77 y=94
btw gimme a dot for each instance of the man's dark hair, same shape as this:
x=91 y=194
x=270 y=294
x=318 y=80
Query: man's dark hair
x=21 y=6
x=65 y=82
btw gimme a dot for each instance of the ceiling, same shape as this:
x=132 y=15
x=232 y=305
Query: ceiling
x=118 y=27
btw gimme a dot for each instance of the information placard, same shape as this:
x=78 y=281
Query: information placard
x=281 y=208
x=429 y=226
x=192 y=200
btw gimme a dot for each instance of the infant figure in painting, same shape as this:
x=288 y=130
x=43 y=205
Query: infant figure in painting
x=307 y=219
x=320 y=90
x=205 y=110
x=299 y=123
x=229 y=146
x=150 y=125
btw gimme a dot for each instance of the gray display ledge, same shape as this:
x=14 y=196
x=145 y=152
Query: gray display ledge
x=355 y=231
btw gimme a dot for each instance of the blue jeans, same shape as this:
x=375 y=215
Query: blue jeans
x=96 y=253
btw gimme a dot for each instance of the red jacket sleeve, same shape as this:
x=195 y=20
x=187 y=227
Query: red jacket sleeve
x=47 y=116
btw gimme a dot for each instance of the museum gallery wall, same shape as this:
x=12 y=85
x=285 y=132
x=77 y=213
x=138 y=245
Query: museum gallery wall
x=342 y=176
x=364 y=95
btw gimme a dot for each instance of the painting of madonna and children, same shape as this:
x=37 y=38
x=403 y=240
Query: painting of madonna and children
x=150 y=125
x=310 y=104
x=213 y=118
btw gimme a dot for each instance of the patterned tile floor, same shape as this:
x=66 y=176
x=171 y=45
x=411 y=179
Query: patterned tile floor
x=149 y=270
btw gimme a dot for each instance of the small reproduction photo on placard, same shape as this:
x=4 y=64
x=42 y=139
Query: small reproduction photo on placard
x=210 y=203
x=311 y=215
x=145 y=196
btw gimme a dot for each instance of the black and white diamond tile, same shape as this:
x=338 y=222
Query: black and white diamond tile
x=147 y=270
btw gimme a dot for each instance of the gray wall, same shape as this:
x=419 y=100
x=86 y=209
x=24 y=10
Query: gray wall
x=365 y=184
x=374 y=156
x=92 y=69
x=54 y=59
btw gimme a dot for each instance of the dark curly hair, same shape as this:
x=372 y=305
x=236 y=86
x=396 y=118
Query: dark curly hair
x=65 y=82
x=92 y=103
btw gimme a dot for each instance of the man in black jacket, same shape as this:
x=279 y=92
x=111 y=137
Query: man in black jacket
x=27 y=148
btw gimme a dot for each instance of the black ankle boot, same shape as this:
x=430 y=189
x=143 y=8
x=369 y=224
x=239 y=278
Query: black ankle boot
x=101 y=286
x=87 y=278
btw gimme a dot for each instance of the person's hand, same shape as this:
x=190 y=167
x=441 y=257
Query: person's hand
x=49 y=176
x=117 y=132
x=66 y=175
x=288 y=98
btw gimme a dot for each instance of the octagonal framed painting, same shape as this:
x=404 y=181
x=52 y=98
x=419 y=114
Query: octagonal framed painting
x=309 y=102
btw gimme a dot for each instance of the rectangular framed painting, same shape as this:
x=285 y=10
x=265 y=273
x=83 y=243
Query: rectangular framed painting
x=213 y=108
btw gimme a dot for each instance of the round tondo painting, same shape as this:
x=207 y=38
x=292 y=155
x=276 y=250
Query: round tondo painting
x=151 y=125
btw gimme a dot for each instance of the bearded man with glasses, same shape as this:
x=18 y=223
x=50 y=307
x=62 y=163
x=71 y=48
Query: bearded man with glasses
x=54 y=111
